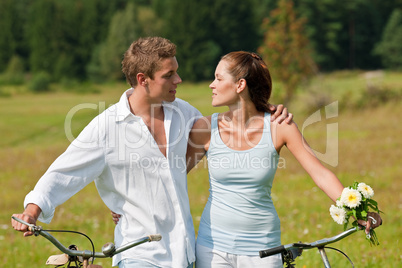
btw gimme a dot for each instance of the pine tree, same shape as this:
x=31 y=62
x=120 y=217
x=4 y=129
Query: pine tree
x=12 y=33
x=390 y=47
x=6 y=35
x=40 y=23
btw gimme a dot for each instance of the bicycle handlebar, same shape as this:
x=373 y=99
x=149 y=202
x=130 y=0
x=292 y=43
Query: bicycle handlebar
x=316 y=244
x=108 y=250
x=272 y=251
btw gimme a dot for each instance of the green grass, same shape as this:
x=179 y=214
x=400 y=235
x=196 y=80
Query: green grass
x=33 y=135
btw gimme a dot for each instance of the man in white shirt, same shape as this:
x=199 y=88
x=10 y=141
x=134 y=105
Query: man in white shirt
x=135 y=152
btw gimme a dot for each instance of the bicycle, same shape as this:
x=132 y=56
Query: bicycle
x=291 y=251
x=75 y=258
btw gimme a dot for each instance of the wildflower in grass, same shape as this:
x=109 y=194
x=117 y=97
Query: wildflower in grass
x=366 y=190
x=351 y=197
x=338 y=214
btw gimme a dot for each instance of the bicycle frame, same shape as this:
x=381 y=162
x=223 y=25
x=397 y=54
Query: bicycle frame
x=295 y=249
x=108 y=250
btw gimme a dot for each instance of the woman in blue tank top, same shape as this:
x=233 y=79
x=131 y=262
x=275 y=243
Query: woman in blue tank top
x=242 y=147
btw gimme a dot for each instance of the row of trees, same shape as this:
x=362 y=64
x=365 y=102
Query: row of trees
x=85 y=39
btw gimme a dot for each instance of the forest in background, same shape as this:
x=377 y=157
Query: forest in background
x=84 y=40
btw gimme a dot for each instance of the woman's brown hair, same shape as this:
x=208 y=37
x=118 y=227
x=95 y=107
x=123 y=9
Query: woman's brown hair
x=251 y=67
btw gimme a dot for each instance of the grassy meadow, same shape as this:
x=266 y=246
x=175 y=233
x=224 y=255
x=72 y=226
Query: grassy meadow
x=370 y=149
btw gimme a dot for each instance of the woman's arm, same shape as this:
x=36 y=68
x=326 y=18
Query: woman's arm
x=290 y=136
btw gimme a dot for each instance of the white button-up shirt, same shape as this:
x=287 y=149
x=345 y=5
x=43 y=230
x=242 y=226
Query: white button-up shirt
x=133 y=178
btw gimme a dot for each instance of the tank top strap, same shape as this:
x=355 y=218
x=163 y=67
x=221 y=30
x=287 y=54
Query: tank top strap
x=267 y=123
x=215 y=137
x=267 y=135
x=214 y=122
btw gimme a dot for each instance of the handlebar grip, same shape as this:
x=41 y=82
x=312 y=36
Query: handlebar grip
x=31 y=227
x=271 y=251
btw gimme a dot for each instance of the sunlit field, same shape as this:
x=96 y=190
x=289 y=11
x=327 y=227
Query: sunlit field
x=33 y=134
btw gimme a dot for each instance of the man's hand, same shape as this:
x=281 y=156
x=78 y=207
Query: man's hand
x=280 y=114
x=115 y=217
x=373 y=221
x=22 y=227
x=30 y=215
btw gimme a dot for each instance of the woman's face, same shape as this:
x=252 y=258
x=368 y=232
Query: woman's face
x=223 y=87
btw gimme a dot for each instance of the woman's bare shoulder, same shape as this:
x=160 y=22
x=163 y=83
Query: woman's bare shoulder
x=283 y=133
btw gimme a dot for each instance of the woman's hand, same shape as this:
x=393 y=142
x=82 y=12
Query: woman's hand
x=373 y=221
x=115 y=217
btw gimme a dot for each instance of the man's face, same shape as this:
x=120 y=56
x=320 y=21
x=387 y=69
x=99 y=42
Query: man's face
x=163 y=86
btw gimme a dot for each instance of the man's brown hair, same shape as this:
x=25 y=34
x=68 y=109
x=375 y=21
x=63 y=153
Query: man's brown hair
x=144 y=56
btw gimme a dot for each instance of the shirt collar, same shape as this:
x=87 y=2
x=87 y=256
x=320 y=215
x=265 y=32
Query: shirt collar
x=123 y=107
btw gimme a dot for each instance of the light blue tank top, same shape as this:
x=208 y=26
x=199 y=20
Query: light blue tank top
x=239 y=217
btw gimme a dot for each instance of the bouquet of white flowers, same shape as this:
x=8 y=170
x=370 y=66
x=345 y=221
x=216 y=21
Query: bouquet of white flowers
x=355 y=201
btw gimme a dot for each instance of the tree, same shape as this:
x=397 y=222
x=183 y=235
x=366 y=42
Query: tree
x=12 y=34
x=235 y=26
x=123 y=30
x=65 y=40
x=95 y=21
x=390 y=46
x=343 y=33
x=286 y=48
x=187 y=24
x=6 y=34
x=40 y=36
x=205 y=30
x=326 y=30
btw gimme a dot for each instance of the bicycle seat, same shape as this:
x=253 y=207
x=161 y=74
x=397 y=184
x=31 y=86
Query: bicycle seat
x=57 y=259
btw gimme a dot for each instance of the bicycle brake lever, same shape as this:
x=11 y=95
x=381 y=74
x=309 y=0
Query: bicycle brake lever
x=295 y=252
x=35 y=229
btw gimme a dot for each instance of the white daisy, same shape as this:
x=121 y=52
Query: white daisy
x=351 y=198
x=338 y=214
x=366 y=190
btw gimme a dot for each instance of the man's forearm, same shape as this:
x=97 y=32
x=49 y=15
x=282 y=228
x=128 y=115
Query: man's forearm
x=32 y=210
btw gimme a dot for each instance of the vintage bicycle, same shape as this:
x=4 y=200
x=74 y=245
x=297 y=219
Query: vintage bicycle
x=74 y=258
x=291 y=251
